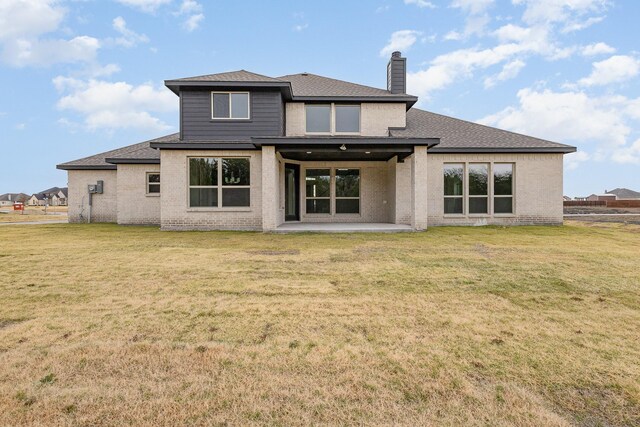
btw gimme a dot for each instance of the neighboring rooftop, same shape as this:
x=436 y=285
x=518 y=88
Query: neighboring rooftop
x=99 y=161
x=12 y=197
x=624 y=193
x=460 y=135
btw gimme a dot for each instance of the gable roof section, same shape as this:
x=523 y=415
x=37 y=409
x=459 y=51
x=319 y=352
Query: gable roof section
x=229 y=77
x=136 y=153
x=12 y=197
x=460 y=136
x=625 y=193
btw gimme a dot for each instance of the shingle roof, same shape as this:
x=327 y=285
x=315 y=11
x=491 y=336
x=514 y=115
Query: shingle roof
x=231 y=76
x=458 y=135
x=625 y=193
x=141 y=150
x=14 y=196
x=307 y=84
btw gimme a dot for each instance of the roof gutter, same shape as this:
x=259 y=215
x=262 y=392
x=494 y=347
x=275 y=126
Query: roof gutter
x=85 y=167
x=503 y=150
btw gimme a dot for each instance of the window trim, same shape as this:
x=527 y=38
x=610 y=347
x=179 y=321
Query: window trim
x=332 y=118
x=332 y=193
x=147 y=184
x=213 y=92
x=220 y=187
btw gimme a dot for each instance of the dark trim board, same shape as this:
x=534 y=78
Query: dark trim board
x=496 y=150
x=203 y=145
x=131 y=161
x=86 y=167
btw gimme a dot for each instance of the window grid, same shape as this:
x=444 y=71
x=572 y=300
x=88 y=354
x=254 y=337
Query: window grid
x=333 y=198
x=220 y=187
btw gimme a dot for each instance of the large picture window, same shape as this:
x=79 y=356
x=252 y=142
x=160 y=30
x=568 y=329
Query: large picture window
x=230 y=105
x=453 y=188
x=318 y=118
x=219 y=182
x=318 y=191
x=347 y=191
x=503 y=188
x=479 y=188
x=347 y=118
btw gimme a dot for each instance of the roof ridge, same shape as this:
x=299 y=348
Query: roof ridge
x=492 y=127
x=242 y=70
x=305 y=73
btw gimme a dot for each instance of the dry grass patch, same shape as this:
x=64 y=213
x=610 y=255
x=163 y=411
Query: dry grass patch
x=456 y=326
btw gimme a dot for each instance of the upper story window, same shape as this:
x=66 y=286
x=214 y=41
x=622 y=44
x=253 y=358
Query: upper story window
x=230 y=105
x=332 y=118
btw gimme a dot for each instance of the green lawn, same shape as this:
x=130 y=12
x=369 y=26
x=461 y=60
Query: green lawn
x=109 y=325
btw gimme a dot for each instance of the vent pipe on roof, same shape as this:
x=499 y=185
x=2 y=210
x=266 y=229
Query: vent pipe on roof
x=397 y=73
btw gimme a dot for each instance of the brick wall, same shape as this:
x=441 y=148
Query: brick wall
x=538 y=189
x=135 y=206
x=175 y=212
x=104 y=207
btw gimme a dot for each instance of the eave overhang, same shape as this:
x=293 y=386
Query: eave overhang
x=503 y=150
x=203 y=145
x=132 y=161
x=176 y=85
x=85 y=167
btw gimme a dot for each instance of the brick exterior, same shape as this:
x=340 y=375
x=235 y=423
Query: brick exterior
x=175 y=213
x=135 y=206
x=104 y=207
x=538 y=189
x=375 y=118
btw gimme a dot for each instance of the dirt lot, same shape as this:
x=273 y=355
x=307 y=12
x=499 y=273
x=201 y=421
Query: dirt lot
x=482 y=326
x=602 y=214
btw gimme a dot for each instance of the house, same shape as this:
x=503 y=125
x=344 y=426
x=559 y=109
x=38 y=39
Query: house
x=624 y=194
x=8 y=199
x=259 y=153
x=566 y=198
x=54 y=196
x=600 y=197
x=37 y=199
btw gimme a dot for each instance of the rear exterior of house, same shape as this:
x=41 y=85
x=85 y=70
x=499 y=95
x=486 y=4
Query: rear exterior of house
x=255 y=152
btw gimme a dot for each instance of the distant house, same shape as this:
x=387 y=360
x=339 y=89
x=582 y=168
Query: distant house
x=566 y=198
x=624 y=194
x=54 y=196
x=601 y=197
x=8 y=199
x=37 y=199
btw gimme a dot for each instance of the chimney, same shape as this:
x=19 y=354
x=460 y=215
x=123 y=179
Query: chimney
x=397 y=73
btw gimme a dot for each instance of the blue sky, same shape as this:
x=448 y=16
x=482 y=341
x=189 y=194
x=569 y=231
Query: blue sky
x=81 y=77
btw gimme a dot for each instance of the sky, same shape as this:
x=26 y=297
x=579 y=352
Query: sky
x=85 y=76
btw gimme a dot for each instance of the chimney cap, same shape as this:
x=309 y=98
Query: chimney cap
x=396 y=54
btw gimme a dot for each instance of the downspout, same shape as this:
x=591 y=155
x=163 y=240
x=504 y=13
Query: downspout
x=90 y=201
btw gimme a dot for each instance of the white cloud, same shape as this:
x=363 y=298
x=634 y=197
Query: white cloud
x=616 y=69
x=300 y=27
x=509 y=71
x=605 y=123
x=475 y=22
x=194 y=16
x=565 y=11
x=381 y=9
x=571 y=27
x=21 y=126
x=472 y=6
x=149 y=6
x=22 y=25
x=597 y=49
x=128 y=37
x=421 y=3
x=573 y=160
x=115 y=105
x=400 y=40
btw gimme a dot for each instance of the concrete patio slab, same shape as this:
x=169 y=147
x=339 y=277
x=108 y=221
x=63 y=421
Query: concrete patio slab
x=341 y=227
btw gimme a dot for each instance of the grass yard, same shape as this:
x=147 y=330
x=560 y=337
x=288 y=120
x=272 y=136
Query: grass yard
x=109 y=325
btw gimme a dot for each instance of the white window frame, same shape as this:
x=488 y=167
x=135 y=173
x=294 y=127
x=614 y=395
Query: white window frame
x=487 y=196
x=148 y=193
x=513 y=190
x=220 y=187
x=464 y=190
x=213 y=92
x=332 y=192
x=332 y=119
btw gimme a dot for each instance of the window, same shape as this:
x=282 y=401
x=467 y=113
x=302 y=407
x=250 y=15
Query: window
x=230 y=105
x=503 y=188
x=347 y=191
x=479 y=188
x=318 y=118
x=219 y=182
x=453 y=189
x=348 y=118
x=318 y=191
x=153 y=183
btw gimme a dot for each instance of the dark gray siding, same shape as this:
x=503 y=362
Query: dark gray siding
x=397 y=75
x=266 y=111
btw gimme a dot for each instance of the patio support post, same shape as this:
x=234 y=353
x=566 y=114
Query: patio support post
x=269 y=189
x=419 y=188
